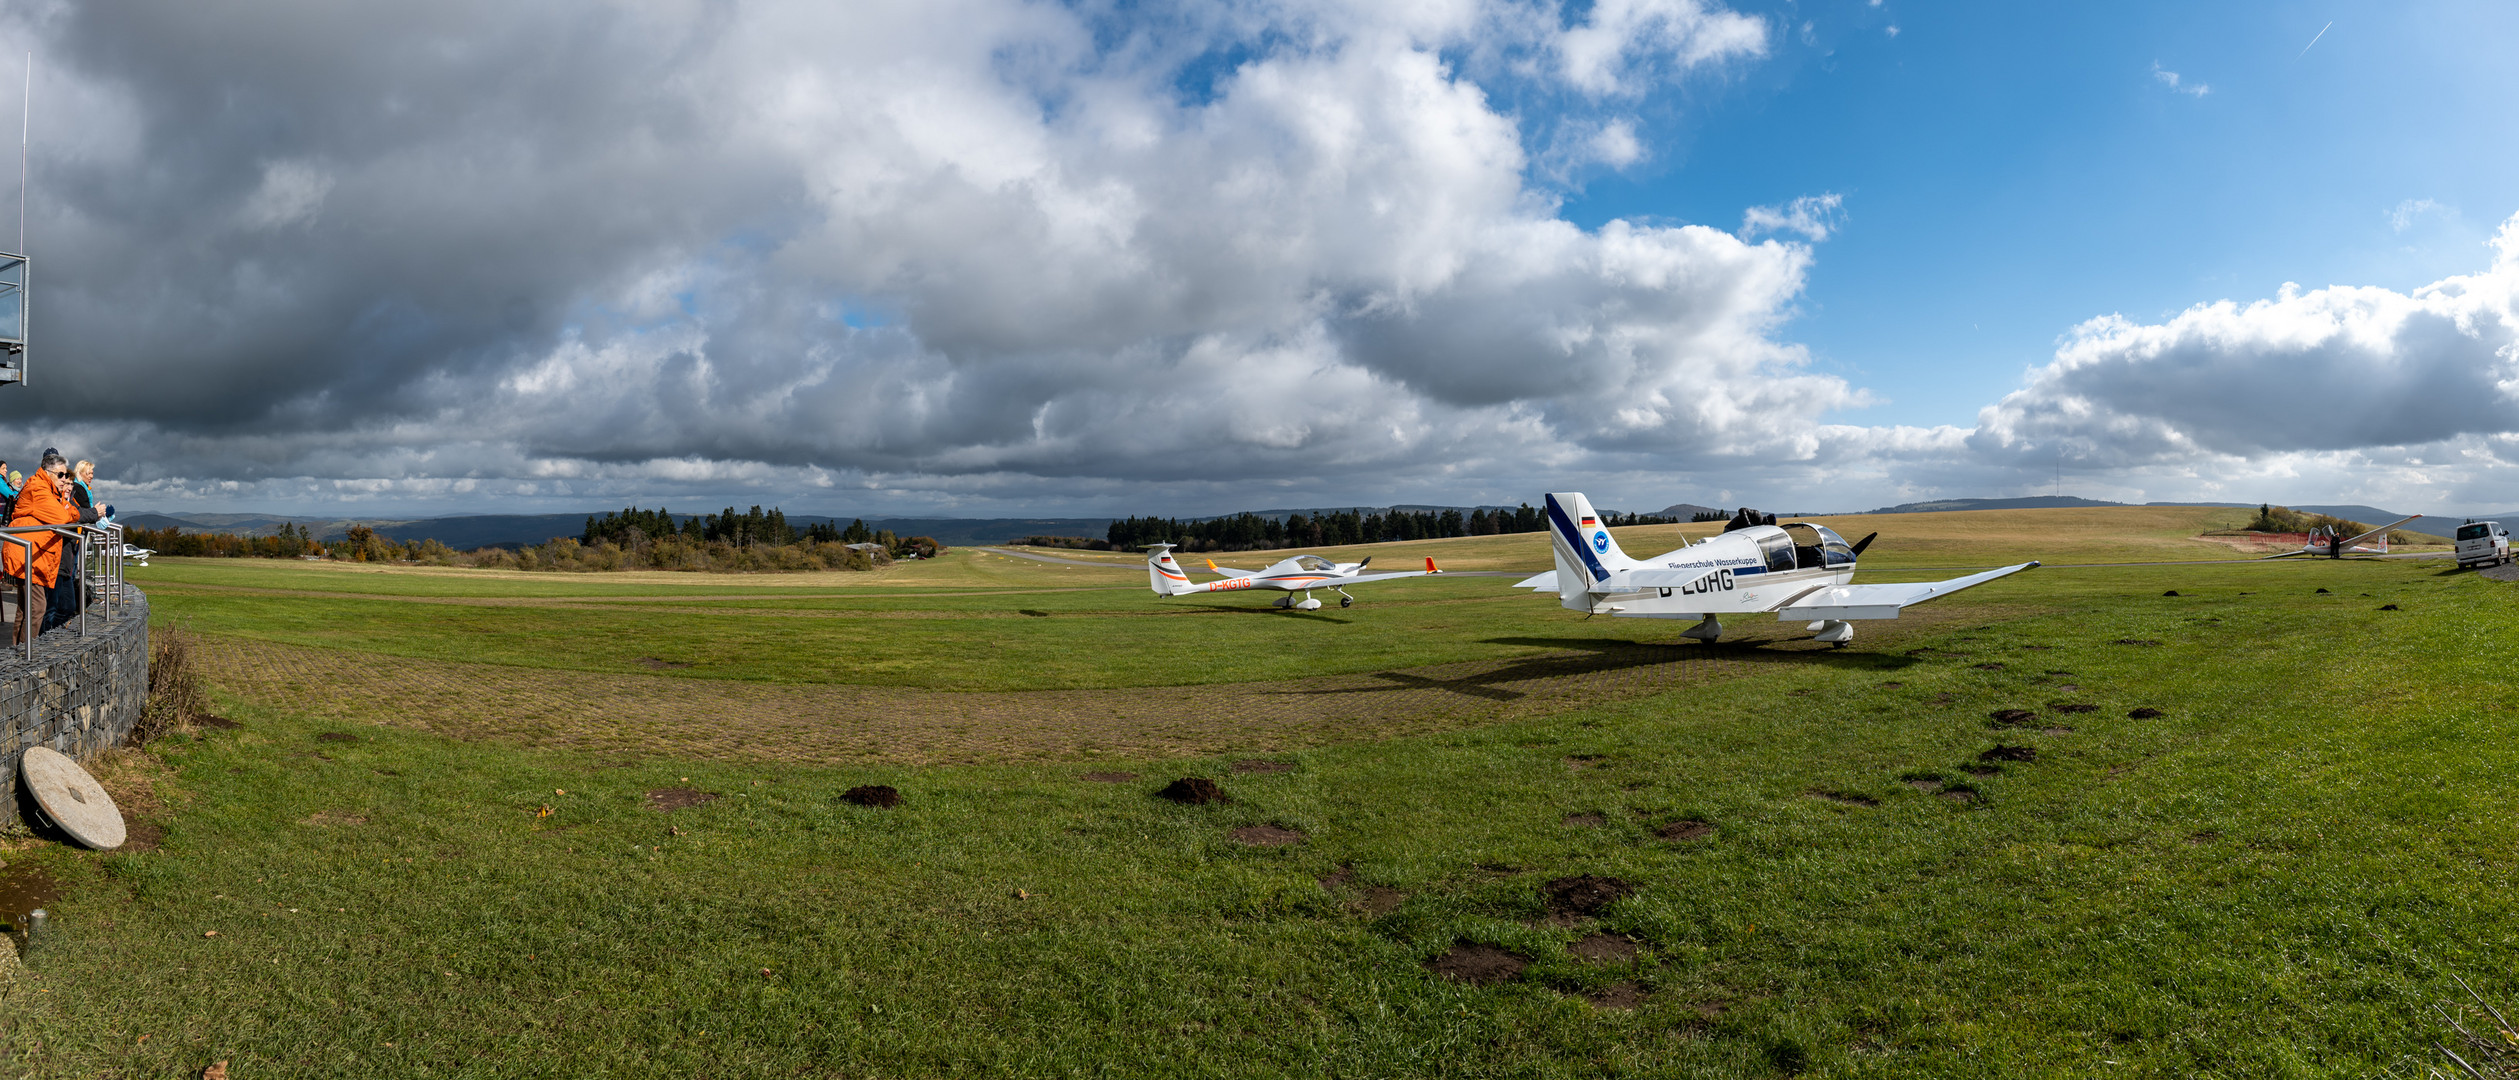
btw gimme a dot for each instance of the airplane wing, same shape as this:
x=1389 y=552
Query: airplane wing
x=1880 y=601
x=2380 y=531
x=1543 y=582
x=1228 y=571
x=1361 y=578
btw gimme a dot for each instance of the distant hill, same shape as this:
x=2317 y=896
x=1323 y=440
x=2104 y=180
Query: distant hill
x=470 y=531
x=2034 y=502
x=1687 y=511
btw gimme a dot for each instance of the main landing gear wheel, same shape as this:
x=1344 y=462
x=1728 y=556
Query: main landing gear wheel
x=1835 y=632
x=1344 y=600
x=1706 y=631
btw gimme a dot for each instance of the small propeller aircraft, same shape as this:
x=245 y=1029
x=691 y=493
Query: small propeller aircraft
x=1300 y=574
x=1800 y=571
x=2323 y=541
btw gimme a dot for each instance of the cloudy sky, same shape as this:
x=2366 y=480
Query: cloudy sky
x=990 y=257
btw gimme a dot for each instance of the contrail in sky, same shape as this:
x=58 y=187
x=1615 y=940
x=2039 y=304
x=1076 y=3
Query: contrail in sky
x=2313 y=42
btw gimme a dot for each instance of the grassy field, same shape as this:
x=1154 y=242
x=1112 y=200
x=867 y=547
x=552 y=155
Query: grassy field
x=2274 y=876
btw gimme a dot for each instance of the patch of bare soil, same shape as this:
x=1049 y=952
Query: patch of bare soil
x=1110 y=777
x=2143 y=642
x=1926 y=785
x=220 y=722
x=1580 y=762
x=336 y=736
x=1338 y=879
x=2055 y=730
x=653 y=664
x=1958 y=795
x=879 y=796
x=1845 y=798
x=1592 y=820
x=1379 y=899
x=676 y=798
x=1257 y=765
x=142 y=786
x=1193 y=791
x=2172 y=592
x=2073 y=707
x=1981 y=770
x=1477 y=965
x=2389 y=607
x=2146 y=713
x=1266 y=836
x=1603 y=949
x=1685 y=829
x=2003 y=752
x=2012 y=717
x=1622 y=996
x=2205 y=837
x=1584 y=896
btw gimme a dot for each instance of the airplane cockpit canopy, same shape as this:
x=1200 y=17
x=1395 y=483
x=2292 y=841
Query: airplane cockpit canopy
x=1314 y=563
x=1818 y=546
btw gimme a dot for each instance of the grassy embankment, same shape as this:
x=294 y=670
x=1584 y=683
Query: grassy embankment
x=2272 y=879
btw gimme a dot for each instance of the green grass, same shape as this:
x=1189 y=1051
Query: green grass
x=2272 y=880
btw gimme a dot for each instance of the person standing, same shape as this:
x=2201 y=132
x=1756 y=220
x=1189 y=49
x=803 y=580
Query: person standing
x=68 y=591
x=44 y=500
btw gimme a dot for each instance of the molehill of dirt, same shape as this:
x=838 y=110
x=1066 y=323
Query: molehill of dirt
x=2004 y=752
x=1625 y=995
x=1477 y=965
x=1266 y=836
x=1685 y=829
x=1584 y=895
x=2146 y=713
x=2075 y=707
x=675 y=798
x=1585 y=821
x=879 y=796
x=1193 y=791
x=2012 y=717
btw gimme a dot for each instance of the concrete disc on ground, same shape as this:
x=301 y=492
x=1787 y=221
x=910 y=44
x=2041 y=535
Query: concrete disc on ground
x=72 y=799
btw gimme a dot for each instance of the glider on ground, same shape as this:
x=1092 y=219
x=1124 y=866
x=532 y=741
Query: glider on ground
x=1300 y=574
x=2324 y=542
x=1800 y=571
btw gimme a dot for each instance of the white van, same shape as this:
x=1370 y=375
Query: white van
x=2482 y=543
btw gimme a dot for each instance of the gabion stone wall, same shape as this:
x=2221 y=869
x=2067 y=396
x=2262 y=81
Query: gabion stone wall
x=79 y=695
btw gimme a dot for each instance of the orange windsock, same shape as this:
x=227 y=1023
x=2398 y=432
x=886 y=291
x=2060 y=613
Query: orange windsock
x=1430 y=567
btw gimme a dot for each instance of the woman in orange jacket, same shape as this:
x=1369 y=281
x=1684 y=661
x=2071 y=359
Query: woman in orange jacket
x=44 y=501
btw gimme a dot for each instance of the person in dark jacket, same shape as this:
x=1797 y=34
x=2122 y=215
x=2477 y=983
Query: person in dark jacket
x=69 y=587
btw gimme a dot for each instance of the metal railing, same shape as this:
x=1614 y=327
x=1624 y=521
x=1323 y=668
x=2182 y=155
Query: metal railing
x=102 y=543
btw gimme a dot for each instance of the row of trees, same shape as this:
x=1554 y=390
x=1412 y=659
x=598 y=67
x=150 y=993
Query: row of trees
x=756 y=527
x=633 y=539
x=1249 y=532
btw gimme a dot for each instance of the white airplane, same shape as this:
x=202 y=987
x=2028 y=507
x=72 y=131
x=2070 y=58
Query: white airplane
x=2323 y=542
x=1799 y=571
x=1300 y=574
x=137 y=556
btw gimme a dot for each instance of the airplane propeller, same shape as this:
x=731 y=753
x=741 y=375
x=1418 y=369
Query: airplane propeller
x=1859 y=545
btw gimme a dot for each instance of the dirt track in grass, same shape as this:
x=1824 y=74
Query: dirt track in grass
x=662 y=716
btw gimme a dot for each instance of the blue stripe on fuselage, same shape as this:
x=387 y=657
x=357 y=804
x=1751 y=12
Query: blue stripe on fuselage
x=1565 y=528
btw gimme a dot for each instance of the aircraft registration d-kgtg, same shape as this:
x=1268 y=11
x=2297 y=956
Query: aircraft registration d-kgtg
x=1300 y=574
x=1799 y=571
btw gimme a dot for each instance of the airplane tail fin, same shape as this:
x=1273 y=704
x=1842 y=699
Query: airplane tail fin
x=1163 y=572
x=1586 y=554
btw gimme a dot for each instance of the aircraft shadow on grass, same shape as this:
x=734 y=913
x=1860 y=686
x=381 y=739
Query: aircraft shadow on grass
x=1282 y=613
x=1593 y=656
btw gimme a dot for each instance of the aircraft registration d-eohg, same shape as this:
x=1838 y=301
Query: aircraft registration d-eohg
x=1799 y=571
x=1300 y=574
